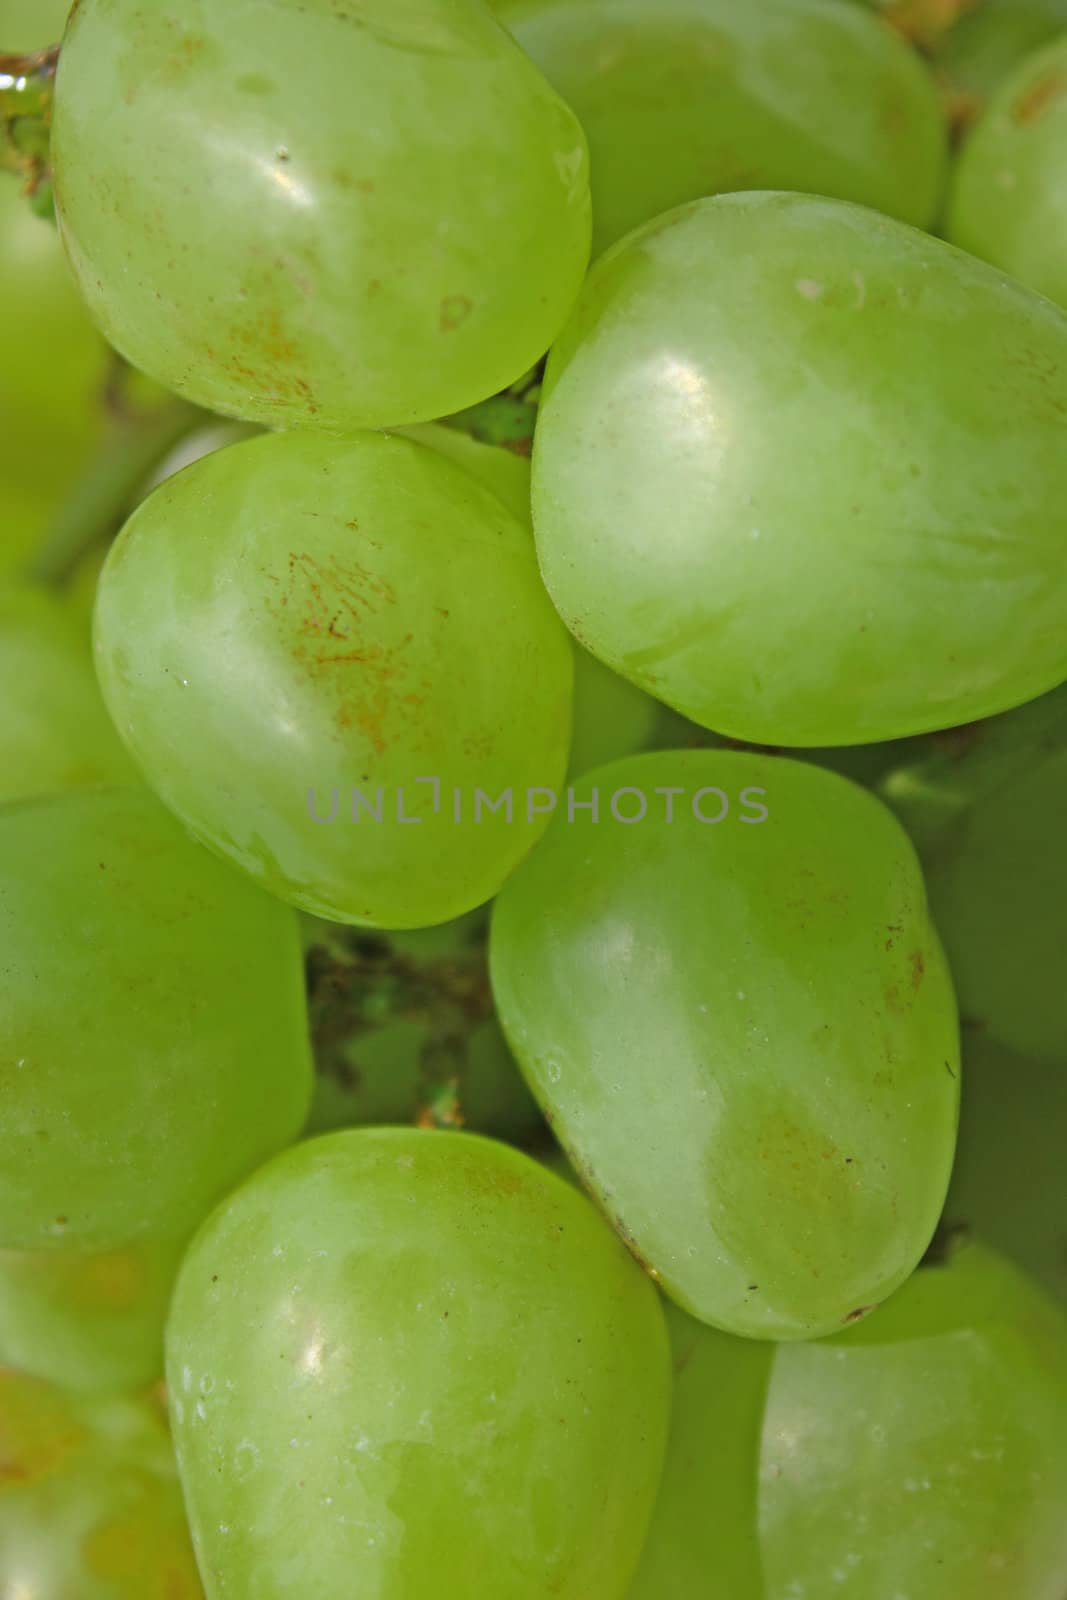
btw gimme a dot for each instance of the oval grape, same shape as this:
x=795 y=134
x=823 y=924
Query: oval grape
x=799 y=473
x=438 y=1353
x=726 y=992
x=697 y=97
x=313 y=647
x=921 y=1454
x=1007 y=199
x=318 y=213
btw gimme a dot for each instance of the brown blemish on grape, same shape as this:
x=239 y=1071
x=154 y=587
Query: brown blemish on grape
x=918 y=969
x=455 y=309
x=859 y=1313
x=1039 y=97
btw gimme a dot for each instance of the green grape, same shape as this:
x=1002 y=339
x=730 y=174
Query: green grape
x=89 y=1322
x=403 y=1030
x=921 y=1455
x=736 y=1013
x=326 y=213
x=90 y=1505
x=685 y=98
x=988 y=41
x=1008 y=1184
x=986 y=811
x=409 y=1363
x=704 y=1539
x=799 y=472
x=1007 y=199
x=54 y=733
x=300 y=629
x=153 y=1040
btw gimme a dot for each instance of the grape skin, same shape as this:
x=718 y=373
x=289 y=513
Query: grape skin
x=686 y=98
x=921 y=1454
x=152 y=1025
x=439 y=1354
x=252 y=223
x=767 y=537
x=1006 y=203
x=744 y=1036
x=296 y=620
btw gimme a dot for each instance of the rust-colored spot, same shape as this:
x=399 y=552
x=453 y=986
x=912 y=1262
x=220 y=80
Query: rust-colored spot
x=455 y=309
x=1037 y=99
x=859 y=1313
x=918 y=968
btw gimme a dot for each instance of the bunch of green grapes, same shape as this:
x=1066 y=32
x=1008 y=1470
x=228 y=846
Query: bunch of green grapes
x=922 y=1454
x=1007 y=198
x=986 y=810
x=514 y=722
x=720 y=979
x=755 y=532
x=696 y=97
x=90 y=1505
x=438 y=1356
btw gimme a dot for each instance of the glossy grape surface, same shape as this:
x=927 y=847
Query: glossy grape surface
x=410 y=1363
x=1007 y=1185
x=686 y=98
x=325 y=213
x=296 y=620
x=799 y=472
x=54 y=731
x=88 y=1322
x=743 y=1032
x=986 y=810
x=922 y=1454
x=404 y=1031
x=90 y=1506
x=152 y=1025
x=1008 y=195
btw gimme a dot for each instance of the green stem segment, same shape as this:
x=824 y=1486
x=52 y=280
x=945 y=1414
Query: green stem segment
x=27 y=87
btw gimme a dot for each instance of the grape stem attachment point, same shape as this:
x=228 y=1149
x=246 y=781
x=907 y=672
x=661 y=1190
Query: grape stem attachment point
x=27 y=88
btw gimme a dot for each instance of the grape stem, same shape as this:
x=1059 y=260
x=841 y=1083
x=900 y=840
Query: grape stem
x=27 y=87
x=505 y=420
